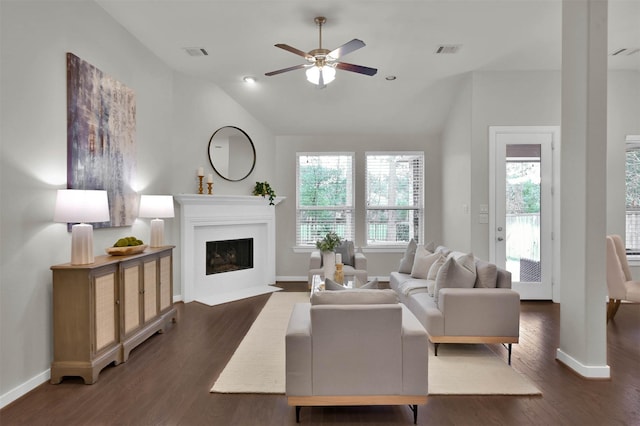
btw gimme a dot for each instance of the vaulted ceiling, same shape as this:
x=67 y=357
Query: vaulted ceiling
x=401 y=40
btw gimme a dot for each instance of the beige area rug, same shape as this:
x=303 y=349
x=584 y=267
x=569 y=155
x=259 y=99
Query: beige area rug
x=257 y=366
x=474 y=370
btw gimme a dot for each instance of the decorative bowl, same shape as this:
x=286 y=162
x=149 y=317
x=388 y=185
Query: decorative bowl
x=123 y=251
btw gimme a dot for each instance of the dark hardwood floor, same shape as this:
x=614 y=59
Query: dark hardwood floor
x=166 y=381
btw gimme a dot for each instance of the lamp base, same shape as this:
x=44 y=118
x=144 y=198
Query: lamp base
x=157 y=233
x=82 y=244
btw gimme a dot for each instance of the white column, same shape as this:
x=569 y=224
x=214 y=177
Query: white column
x=583 y=187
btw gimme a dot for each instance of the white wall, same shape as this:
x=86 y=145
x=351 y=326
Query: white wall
x=291 y=265
x=456 y=170
x=176 y=115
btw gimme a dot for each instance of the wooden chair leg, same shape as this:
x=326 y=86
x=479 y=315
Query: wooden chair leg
x=612 y=308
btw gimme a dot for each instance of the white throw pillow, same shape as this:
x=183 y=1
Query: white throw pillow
x=431 y=246
x=456 y=273
x=406 y=263
x=435 y=267
x=422 y=262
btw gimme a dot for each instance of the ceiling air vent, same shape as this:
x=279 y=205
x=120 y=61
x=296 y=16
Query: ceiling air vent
x=448 y=48
x=196 y=51
x=625 y=51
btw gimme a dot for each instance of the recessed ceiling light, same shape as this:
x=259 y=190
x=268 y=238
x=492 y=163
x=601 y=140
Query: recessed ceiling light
x=249 y=80
x=390 y=77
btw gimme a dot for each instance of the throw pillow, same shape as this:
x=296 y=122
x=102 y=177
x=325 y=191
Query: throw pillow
x=373 y=284
x=431 y=246
x=422 y=262
x=444 y=250
x=431 y=286
x=456 y=273
x=331 y=285
x=348 y=252
x=486 y=274
x=406 y=263
x=435 y=267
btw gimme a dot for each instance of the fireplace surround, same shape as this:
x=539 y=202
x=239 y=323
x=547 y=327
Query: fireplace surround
x=220 y=218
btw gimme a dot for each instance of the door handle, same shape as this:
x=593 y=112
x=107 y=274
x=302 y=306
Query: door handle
x=500 y=239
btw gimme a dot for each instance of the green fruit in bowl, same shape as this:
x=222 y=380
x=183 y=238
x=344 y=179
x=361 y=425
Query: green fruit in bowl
x=127 y=242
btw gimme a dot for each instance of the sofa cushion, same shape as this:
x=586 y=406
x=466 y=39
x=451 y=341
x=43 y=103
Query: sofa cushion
x=406 y=263
x=422 y=262
x=486 y=274
x=456 y=273
x=347 y=251
x=354 y=297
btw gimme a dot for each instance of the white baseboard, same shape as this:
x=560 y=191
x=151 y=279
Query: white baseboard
x=24 y=388
x=588 y=371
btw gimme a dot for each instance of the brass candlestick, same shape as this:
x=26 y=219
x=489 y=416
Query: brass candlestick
x=210 y=186
x=200 y=185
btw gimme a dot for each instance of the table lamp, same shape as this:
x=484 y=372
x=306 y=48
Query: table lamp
x=156 y=206
x=81 y=207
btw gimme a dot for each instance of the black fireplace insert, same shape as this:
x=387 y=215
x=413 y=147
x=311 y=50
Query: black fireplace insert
x=229 y=255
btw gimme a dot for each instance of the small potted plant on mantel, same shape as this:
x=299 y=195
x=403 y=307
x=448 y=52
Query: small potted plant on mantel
x=327 y=246
x=264 y=189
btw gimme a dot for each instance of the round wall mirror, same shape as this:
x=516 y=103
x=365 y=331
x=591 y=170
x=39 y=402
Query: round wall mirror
x=231 y=153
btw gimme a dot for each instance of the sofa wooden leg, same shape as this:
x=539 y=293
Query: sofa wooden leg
x=298 y=414
x=414 y=408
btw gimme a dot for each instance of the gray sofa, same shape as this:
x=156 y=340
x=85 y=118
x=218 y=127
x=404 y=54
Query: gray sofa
x=355 y=347
x=457 y=310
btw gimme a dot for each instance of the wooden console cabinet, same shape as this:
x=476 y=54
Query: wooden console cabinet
x=101 y=311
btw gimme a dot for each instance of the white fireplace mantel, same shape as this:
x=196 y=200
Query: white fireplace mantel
x=220 y=217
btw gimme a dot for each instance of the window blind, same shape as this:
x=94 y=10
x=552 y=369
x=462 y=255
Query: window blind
x=395 y=197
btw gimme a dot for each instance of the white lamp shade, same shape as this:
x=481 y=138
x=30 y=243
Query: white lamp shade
x=328 y=74
x=81 y=206
x=156 y=206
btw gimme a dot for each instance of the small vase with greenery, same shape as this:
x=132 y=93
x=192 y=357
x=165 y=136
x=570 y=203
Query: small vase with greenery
x=264 y=189
x=329 y=242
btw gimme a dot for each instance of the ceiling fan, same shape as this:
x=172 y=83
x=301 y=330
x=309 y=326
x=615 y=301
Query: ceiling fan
x=322 y=63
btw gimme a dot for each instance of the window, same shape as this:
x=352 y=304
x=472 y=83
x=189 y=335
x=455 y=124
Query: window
x=324 y=196
x=632 y=179
x=395 y=194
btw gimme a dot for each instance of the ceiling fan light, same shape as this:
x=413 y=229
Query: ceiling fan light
x=328 y=74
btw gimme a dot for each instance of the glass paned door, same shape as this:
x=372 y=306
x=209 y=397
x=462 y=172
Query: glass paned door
x=522 y=221
x=522 y=208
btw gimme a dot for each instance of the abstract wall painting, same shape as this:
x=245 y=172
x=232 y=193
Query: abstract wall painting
x=101 y=130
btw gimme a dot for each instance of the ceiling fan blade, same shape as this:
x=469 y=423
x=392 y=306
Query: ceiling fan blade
x=295 y=67
x=295 y=51
x=356 y=68
x=346 y=48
